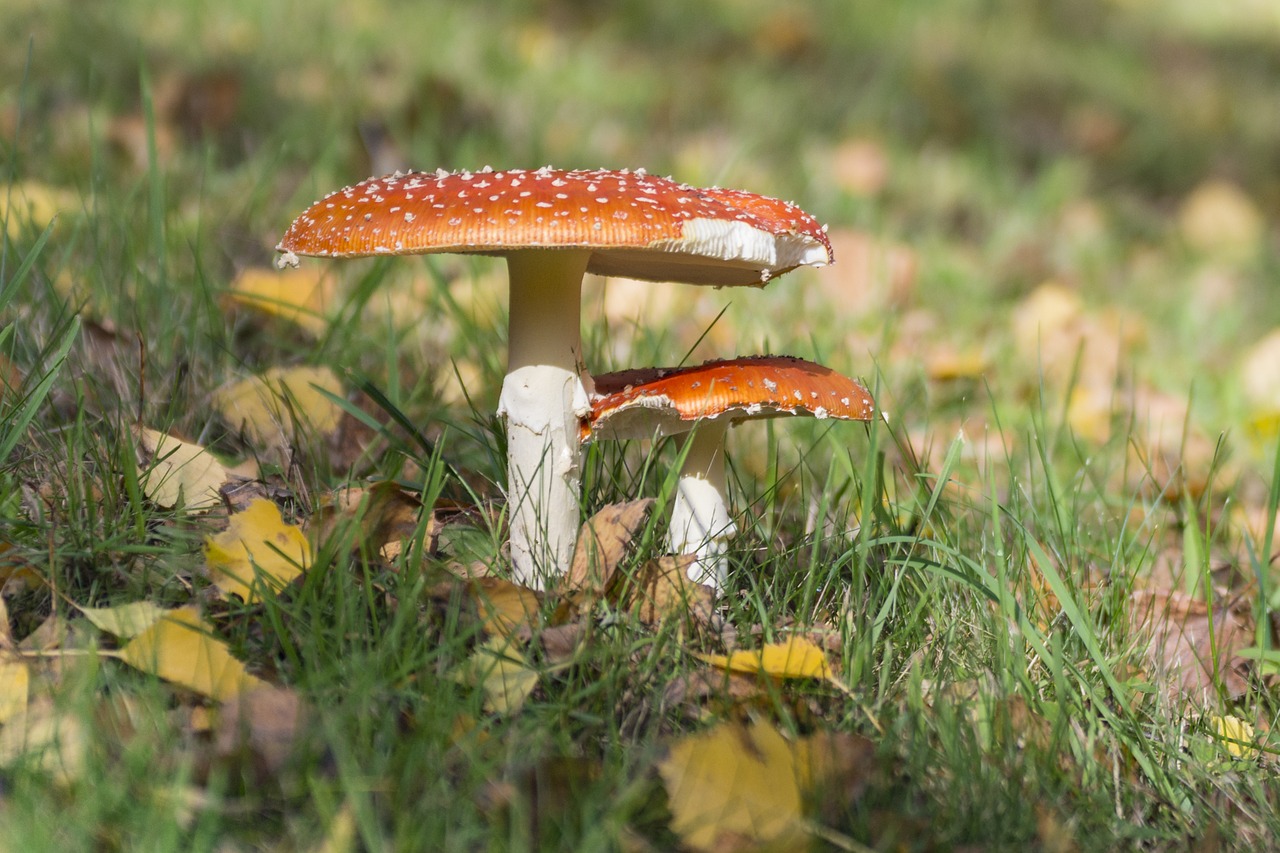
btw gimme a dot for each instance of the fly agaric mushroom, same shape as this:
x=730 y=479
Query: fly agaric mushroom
x=552 y=226
x=706 y=400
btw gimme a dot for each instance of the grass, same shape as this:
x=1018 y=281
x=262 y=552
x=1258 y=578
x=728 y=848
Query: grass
x=973 y=563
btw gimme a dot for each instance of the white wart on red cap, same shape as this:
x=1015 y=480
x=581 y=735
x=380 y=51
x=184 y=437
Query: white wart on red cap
x=635 y=225
x=636 y=403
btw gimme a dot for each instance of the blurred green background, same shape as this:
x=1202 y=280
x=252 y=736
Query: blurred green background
x=1125 y=152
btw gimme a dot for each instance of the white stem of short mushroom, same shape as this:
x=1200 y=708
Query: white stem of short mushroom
x=700 y=522
x=542 y=402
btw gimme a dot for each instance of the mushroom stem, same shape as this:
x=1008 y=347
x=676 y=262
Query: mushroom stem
x=542 y=402
x=700 y=522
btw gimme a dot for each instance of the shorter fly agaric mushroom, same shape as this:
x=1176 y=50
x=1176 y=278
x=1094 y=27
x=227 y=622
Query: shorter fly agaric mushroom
x=707 y=399
x=553 y=225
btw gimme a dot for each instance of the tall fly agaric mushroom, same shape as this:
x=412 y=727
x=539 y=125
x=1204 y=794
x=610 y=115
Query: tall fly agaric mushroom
x=707 y=399
x=552 y=226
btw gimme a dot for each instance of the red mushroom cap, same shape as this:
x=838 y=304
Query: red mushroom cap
x=636 y=403
x=638 y=225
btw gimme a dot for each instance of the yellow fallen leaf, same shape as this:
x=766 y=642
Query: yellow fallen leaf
x=273 y=408
x=947 y=363
x=257 y=548
x=55 y=742
x=1236 y=735
x=1259 y=378
x=735 y=782
x=126 y=620
x=1089 y=412
x=14 y=569
x=1218 y=218
x=500 y=670
x=302 y=296
x=33 y=205
x=15 y=681
x=178 y=472
x=796 y=657
x=504 y=607
x=181 y=648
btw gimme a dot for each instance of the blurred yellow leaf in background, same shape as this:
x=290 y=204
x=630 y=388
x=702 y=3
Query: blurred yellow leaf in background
x=1218 y=218
x=33 y=205
x=273 y=408
x=302 y=296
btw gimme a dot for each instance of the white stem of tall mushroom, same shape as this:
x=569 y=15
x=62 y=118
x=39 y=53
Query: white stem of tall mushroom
x=700 y=522
x=542 y=402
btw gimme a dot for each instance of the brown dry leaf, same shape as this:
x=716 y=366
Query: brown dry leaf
x=11 y=377
x=560 y=643
x=662 y=588
x=263 y=723
x=871 y=275
x=721 y=692
x=303 y=296
x=131 y=135
x=736 y=787
x=859 y=166
x=603 y=543
x=125 y=621
x=795 y=657
x=1169 y=456
x=273 y=408
x=382 y=515
x=257 y=549
x=181 y=648
x=15 y=684
x=1218 y=218
x=1192 y=650
x=33 y=205
x=176 y=472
